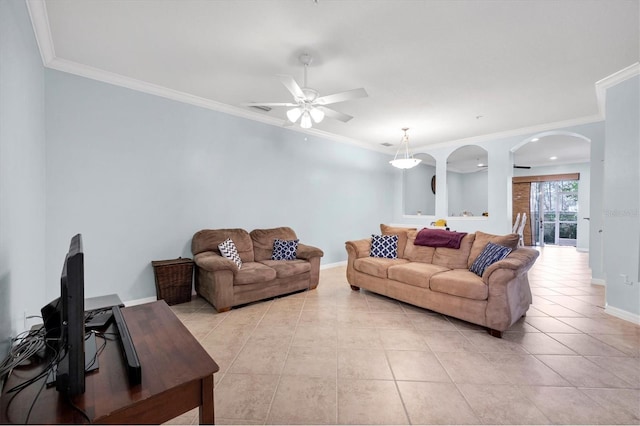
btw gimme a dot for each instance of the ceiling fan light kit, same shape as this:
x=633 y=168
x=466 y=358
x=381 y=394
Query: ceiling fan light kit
x=305 y=121
x=307 y=106
x=404 y=159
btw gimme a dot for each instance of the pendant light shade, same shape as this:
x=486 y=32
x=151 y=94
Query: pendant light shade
x=404 y=159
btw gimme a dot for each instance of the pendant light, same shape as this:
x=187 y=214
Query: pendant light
x=404 y=159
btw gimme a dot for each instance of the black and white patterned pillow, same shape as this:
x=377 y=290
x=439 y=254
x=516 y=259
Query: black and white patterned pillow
x=284 y=249
x=490 y=255
x=384 y=246
x=228 y=249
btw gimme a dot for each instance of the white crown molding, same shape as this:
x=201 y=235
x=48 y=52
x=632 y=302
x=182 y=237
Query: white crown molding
x=612 y=80
x=161 y=91
x=82 y=70
x=40 y=23
x=511 y=133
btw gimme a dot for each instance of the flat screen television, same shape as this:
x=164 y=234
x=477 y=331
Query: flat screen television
x=64 y=322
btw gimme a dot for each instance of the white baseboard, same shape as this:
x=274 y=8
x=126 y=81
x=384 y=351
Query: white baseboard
x=333 y=265
x=153 y=299
x=627 y=316
x=140 y=301
x=582 y=250
x=598 y=281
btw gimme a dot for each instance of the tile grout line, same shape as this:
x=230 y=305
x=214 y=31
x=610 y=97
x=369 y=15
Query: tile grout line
x=275 y=391
x=243 y=344
x=628 y=351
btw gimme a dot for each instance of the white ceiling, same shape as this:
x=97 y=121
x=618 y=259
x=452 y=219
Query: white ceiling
x=448 y=70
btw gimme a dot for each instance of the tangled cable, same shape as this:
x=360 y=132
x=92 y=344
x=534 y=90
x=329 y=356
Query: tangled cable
x=23 y=346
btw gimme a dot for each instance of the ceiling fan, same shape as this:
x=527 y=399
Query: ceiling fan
x=307 y=103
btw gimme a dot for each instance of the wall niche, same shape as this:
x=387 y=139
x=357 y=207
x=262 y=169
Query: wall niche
x=419 y=199
x=467 y=181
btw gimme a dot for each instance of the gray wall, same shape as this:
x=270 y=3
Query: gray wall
x=621 y=197
x=138 y=175
x=417 y=190
x=596 y=194
x=468 y=192
x=22 y=168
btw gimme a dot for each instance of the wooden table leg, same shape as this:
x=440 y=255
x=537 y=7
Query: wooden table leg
x=206 y=409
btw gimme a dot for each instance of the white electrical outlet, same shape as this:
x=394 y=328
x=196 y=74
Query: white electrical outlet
x=625 y=279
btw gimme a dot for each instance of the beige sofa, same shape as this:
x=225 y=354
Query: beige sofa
x=439 y=278
x=224 y=285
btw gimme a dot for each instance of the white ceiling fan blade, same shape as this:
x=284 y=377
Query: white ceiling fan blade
x=332 y=113
x=292 y=86
x=287 y=104
x=341 y=97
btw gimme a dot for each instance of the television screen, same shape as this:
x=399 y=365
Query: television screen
x=64 y=322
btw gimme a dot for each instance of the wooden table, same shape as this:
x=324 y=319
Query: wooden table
x=177 y=376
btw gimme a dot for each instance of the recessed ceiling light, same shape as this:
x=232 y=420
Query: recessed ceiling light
x=553 y=158
x=535 y=139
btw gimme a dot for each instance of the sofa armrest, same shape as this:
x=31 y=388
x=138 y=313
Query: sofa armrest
x=355 y=250
x=306 y=252
x=509 y=292
x=358 y=248
x=211 y=261
x=518 y=262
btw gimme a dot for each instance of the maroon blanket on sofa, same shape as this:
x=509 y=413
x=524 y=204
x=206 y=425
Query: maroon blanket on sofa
x=439 y=238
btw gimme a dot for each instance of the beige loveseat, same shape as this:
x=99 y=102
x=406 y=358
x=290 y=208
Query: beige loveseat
x=439 y=278
x=221 y=282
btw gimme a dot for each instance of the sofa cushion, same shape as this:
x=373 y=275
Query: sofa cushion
x=416 y=253
x=288 y=268
x=460 y=282
x=253 y=273
x=376 y=266
x=400 y=232
x=490 y=255
x=482 y=239
x=263 y=240
x=384 y=246
x=228 y=249
x=208 y=240
x=454 y=258
x=415 y=273
x=284 y=249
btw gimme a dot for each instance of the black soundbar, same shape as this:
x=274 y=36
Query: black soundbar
x=134 y=370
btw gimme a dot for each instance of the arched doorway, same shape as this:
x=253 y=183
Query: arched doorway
x=546 y=185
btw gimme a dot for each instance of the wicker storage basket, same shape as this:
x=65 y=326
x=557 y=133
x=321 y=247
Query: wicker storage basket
x=173 y=280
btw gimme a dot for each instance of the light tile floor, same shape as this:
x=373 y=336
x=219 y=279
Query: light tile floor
x=335 y=356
